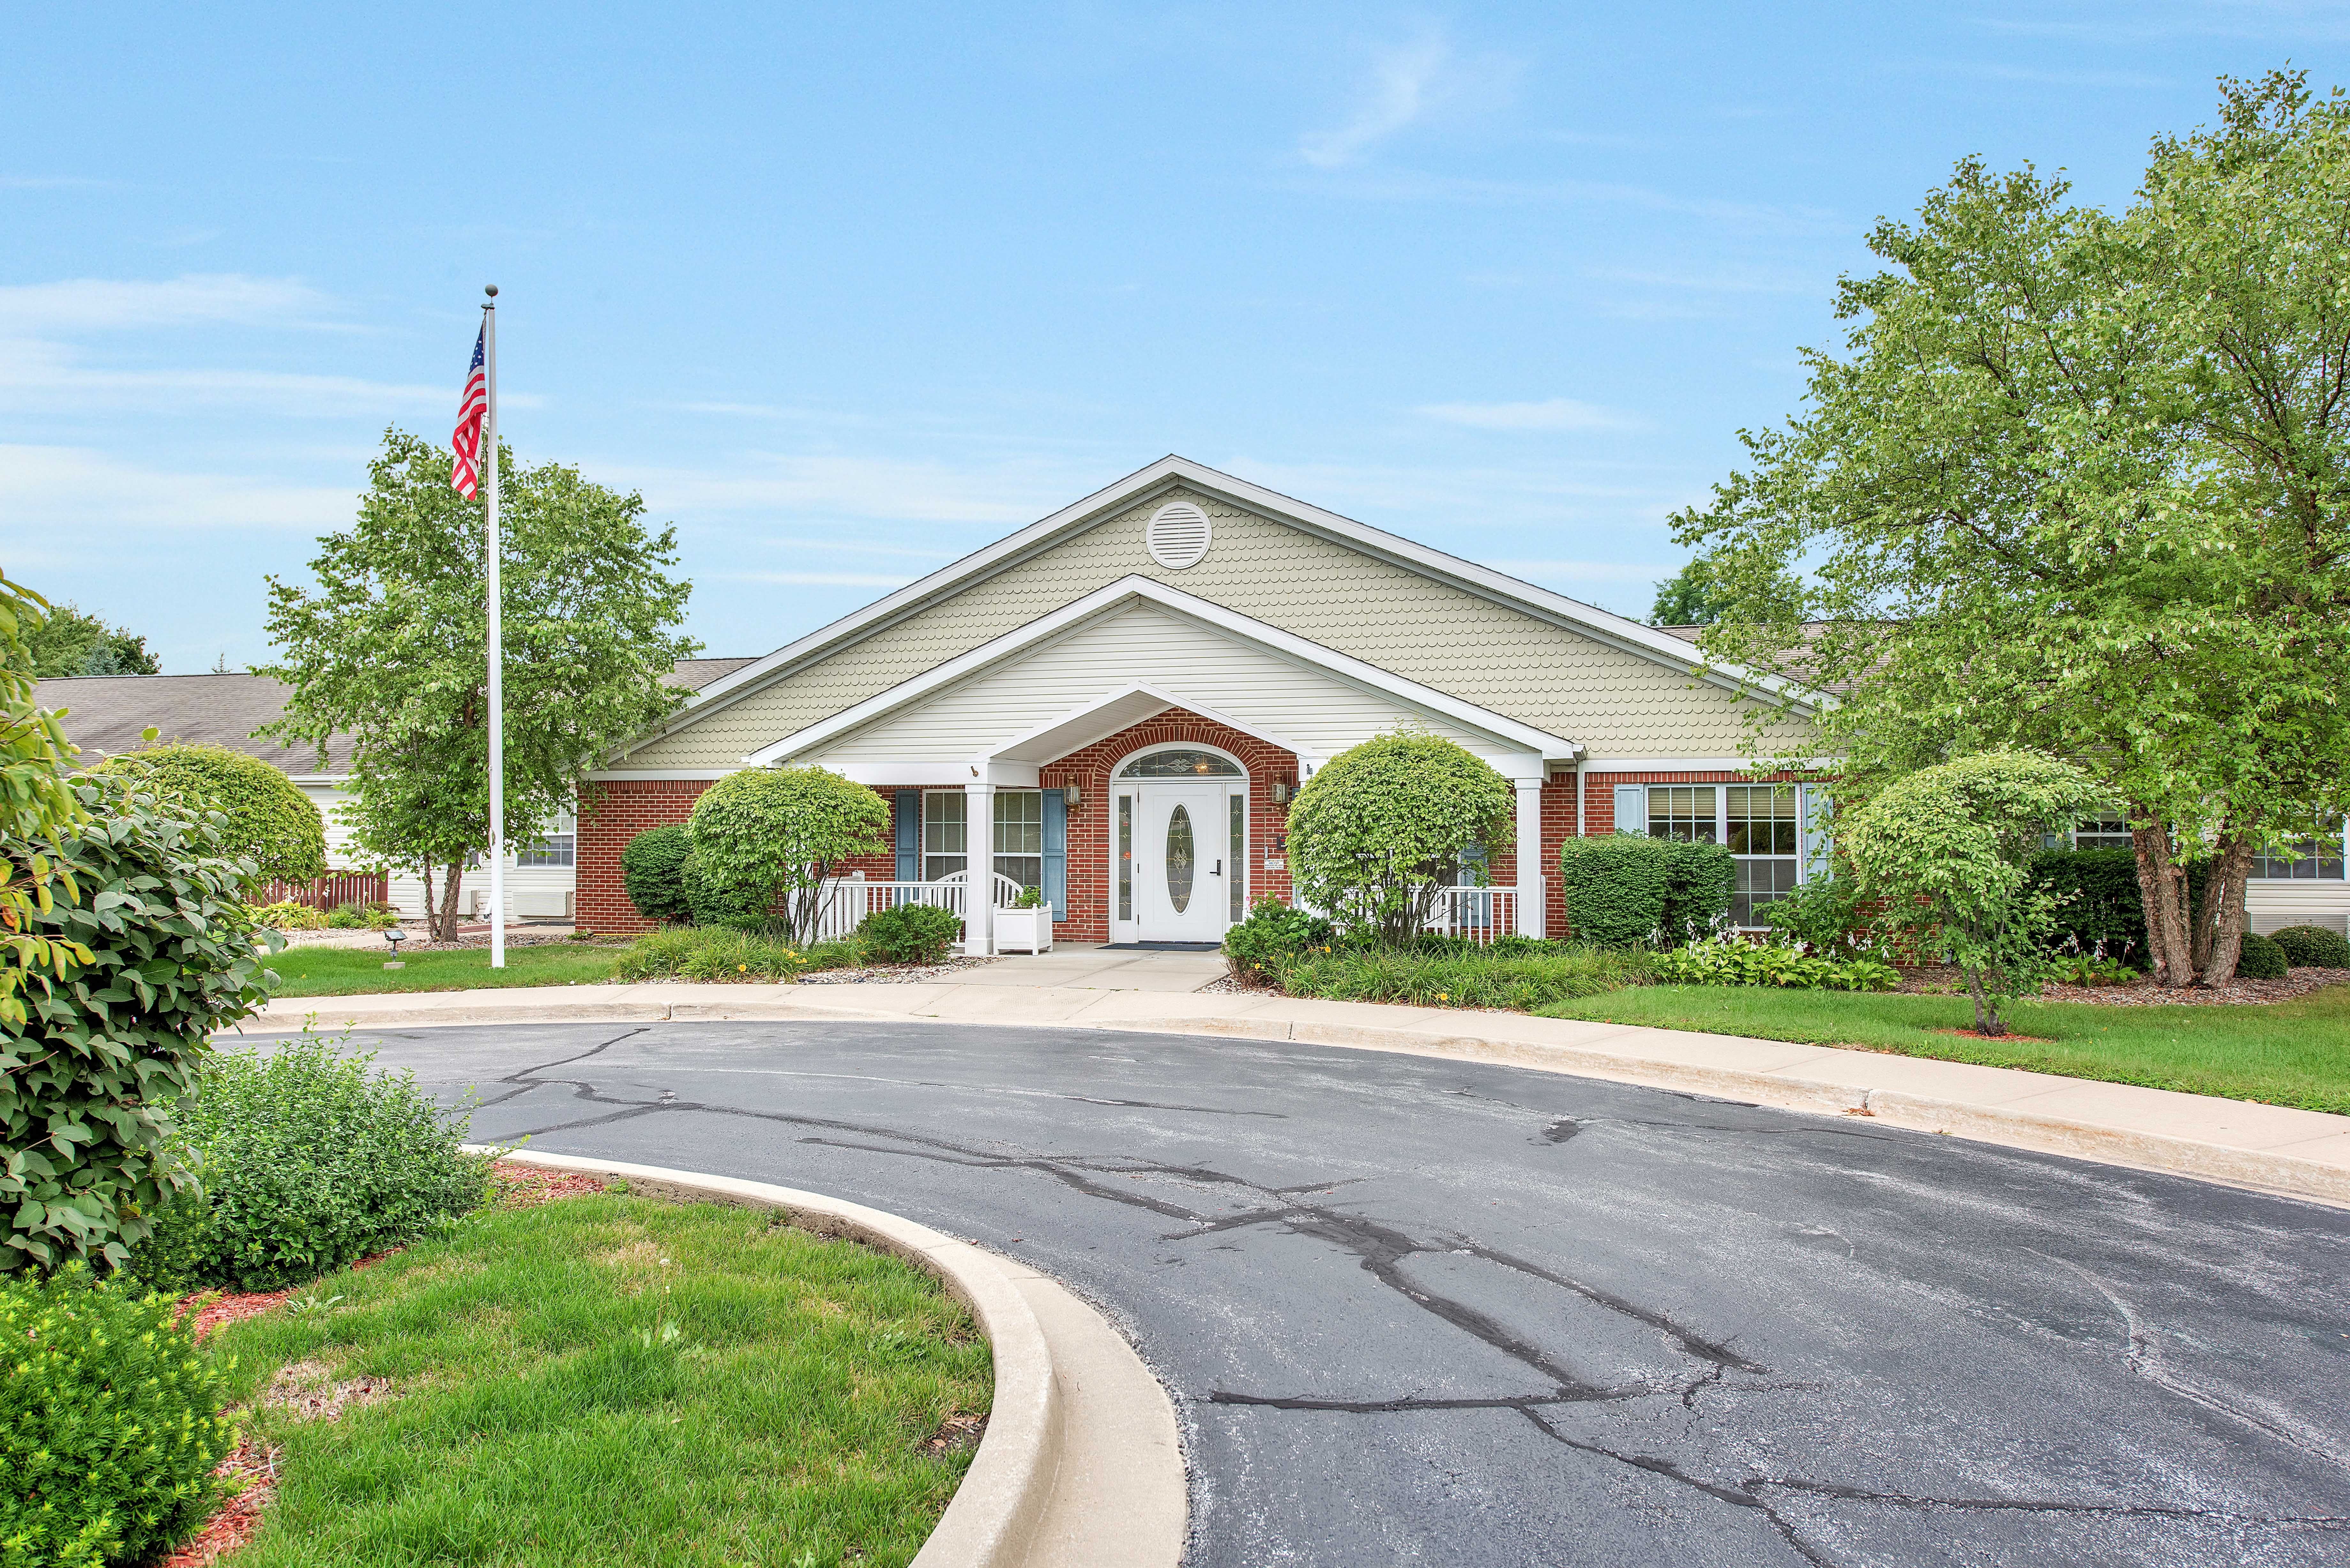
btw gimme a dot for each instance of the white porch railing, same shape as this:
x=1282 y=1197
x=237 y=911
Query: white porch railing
x=847 y=900
x=1480 y=914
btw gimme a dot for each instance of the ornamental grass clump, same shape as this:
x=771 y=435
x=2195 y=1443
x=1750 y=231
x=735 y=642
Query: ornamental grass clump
x=715 y=953
x=1381 y=826
x=1446 y=972
x=309 y=1158
x=110 y=1422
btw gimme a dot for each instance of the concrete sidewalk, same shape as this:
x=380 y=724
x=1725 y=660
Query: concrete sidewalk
x=2305 y=1153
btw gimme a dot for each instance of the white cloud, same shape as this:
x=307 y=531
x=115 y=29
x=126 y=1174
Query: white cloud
x=835 y=486
x=78 y=489
x=1551 y=414
x=89 y=303
x=1401 y=89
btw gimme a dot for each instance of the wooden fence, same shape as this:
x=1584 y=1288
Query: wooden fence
x=333 y=889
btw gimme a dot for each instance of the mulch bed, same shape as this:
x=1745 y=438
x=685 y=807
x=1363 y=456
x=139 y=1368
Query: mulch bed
x=252 y=1468
x=1928 y=978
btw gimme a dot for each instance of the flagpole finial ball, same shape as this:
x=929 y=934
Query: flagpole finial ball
x=491 y=289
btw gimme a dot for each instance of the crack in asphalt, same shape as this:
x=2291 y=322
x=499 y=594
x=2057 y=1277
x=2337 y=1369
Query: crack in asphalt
x=1381 y=1251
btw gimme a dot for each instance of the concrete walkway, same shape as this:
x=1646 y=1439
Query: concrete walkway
x=2272 y=1148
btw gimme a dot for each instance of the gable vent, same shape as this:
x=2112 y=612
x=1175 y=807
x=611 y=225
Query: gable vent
x=1178 y=535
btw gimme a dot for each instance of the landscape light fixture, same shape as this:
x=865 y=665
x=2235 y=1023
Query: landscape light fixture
x=1072 y=796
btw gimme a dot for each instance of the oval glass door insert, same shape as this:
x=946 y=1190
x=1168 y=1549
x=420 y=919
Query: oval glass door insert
x=1179 y=860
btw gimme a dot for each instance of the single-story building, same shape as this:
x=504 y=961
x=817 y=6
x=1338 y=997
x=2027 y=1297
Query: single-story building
x=1114 y=704
x=108 y=714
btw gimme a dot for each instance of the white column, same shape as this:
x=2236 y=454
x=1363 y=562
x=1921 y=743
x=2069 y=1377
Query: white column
x=979 y=859
x=1532 y=901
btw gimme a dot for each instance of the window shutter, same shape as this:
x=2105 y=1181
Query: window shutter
x=1056 y=853
x=1632 y=808
x=908 y=832
x=1818 y=809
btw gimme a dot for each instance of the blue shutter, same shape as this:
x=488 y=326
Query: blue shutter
x=1056 y=853
x=1632 y=808
x=908 y=836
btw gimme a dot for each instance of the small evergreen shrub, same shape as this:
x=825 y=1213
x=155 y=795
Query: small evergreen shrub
x=110 y=1422
x=2262 y=958
x=716 y=953
x=2313 y=947
x=652 y=873
x=1615 y=887
x=1260 y=946
x=309 y=1159
x=2099 y=909
x=289 y=916
x=1699 y=880
x=908 y=933
x=1730 y=960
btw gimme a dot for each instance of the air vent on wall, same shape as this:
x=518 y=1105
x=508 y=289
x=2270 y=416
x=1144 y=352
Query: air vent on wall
x=1178 y=535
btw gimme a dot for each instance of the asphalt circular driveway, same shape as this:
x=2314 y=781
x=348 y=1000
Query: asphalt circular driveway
x=1416 y=1311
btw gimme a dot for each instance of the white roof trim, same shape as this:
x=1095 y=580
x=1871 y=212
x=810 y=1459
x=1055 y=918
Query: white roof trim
x=1106 y=597
x=1589 y=620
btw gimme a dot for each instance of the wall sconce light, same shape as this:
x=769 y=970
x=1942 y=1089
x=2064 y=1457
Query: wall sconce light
x=1281 y=790
x=1072 y=796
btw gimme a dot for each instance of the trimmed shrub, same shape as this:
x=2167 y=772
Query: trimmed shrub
x=1699 y=880
x=1731 y=960
x=710 y=953
x=1615 y=886
x=2099 y=908
x=2313 y=947
x=271 y=823
x=712 y=901
x=288 y=916
x=1381 y=825
x=908 y=933
x=110 y=1422
x=1441 y=973
x=2262 y=958
x=309 y=1159
x=1260 y=946
x=85 y=1090
x=770 y=837
x=652 y=873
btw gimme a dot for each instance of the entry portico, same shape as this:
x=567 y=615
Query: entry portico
x=1114 y=706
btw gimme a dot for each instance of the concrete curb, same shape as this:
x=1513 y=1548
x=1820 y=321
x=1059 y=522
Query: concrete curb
x=1033 y=1498
x=2301 y=1154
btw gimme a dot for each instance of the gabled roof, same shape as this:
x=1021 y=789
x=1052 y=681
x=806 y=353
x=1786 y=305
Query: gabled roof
x=1108 y=598
x=1167 y=473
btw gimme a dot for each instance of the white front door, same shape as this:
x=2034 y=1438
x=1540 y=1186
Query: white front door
x=1183 y=862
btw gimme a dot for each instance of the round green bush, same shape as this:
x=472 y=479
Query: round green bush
x=2313 y=947
x=2262 y=958
x=909 y=933
x=309 y=1160
x=772 y=837
x=1382 y=824
x=271 y=823
x=111 y=1423
x=652 y=873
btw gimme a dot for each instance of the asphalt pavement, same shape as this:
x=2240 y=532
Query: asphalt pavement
x=1415 y=1310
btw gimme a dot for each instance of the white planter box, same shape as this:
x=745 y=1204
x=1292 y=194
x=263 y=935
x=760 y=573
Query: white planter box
x=1025 y=931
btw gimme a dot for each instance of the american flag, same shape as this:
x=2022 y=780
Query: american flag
x=468 y=438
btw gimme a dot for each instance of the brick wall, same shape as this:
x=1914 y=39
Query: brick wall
x=611 y=813
x=1599 y=817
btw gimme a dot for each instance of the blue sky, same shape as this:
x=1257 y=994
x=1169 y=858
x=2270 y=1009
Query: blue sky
x=849 y=291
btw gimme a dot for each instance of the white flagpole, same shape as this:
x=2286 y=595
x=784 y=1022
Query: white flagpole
x=497 y=648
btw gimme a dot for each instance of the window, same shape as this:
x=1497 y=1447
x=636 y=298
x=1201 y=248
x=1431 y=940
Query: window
x=1179 y=763
x=1126 y=858
x=2317 y=859
x=1762 y=835
x=2108 y=830
x=1020 y=836
x=945 y=848
x=1683 y=811
x=1238 y=884
x=557 y=846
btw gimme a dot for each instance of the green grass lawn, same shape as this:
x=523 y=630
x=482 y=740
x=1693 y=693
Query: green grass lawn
x=2287 y=1053
x=353 y=972
x=614 y=1380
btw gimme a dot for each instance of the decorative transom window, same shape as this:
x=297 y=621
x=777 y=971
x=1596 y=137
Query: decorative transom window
x=1179 y=763
x=1177 y=536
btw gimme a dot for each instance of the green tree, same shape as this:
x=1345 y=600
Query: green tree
x=2076 y=486
x=1690 y=597
x=1948 y=850
x=66 y=640
x=270 y=823
x=390 y=648
x=1381 y=825
x=39 y=810
x=768 y=834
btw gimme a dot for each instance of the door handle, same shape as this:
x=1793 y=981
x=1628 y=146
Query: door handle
x=1220 y=867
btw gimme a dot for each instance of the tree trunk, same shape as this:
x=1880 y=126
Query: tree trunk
x=445 y=925
x=428 y=900
x=2219 y=925
x=2162 y=892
